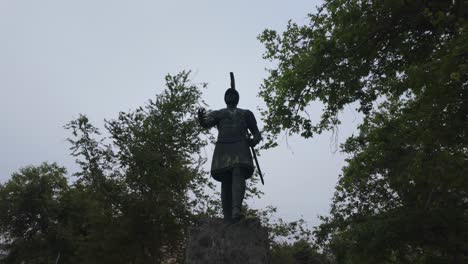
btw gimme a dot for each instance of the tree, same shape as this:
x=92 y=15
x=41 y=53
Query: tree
x=403 y=196
x=135 y=195
x=141 y=177
x=30 y=214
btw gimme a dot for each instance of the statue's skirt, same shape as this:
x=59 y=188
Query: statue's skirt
x=230 y=155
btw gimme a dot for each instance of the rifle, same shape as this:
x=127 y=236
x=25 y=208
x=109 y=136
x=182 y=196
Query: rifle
x=254 y=154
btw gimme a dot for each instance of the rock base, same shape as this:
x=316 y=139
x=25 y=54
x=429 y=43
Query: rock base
x=212 y=241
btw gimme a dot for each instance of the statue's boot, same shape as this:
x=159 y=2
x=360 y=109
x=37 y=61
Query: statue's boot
x=238 y=191
x=226 y=199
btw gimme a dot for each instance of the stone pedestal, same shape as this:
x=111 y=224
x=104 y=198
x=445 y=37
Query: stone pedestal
x=212 y=241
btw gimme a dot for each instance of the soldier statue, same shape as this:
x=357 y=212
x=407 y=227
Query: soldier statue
x=232 y=160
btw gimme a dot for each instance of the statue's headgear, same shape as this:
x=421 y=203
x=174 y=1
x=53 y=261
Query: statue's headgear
x=231 y=96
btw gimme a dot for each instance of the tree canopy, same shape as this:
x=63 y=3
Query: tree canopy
x=31 y=213
x=403 y=194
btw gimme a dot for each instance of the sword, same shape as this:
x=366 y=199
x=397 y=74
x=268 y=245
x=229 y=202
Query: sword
x=254 y=154
x=256 y=163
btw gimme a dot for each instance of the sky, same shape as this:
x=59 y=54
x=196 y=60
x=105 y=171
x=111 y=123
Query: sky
x=59 y=59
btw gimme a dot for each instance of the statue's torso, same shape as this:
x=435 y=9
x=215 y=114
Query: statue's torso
x=232 y=148
x=232 y=125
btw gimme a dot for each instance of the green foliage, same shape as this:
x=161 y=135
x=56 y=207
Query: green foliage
x=358 y=51
x=406 y=183
x=135 y=195
x=31 y=214
x=403 y=195
x=141 y=180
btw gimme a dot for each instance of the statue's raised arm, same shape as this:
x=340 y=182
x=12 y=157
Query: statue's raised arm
x=206 y=120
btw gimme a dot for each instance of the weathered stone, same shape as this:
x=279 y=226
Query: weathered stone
x=212 y=241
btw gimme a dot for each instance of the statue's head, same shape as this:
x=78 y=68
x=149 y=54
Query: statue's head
x=231 y=97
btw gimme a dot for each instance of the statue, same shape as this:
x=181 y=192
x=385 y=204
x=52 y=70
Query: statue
x=232 y=160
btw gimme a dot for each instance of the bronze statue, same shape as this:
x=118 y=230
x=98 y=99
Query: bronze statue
x=232 y=160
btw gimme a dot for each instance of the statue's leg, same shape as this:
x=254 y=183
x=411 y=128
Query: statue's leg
x=238 y=191
x=226 y=196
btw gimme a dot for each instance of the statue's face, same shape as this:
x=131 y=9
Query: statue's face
x=231 y=97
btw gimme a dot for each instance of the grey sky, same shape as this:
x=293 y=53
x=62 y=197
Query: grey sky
x=61 y=58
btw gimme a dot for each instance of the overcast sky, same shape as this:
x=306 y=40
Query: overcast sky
x=61 y=58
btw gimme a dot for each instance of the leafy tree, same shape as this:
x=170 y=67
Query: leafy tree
x=135 y=195
x=141 y=178
x=31 y=215
x=403 y=196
